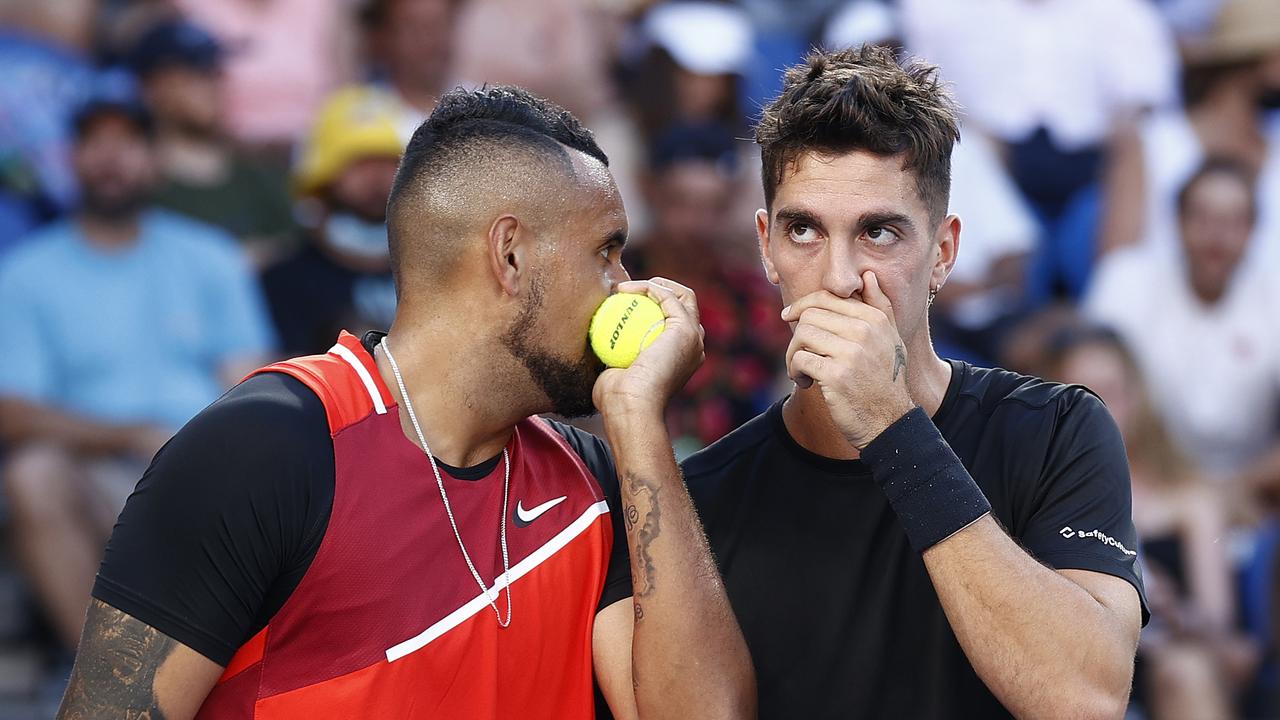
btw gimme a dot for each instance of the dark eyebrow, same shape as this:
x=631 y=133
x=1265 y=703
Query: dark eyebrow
x=885 y=217
x=798 y=215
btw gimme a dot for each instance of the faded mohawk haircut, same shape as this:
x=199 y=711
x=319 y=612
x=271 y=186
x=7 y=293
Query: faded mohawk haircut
x=862 y=99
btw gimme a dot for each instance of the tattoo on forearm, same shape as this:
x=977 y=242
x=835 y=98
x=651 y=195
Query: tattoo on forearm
x=643 y=516
x=899 y=361
x=115 y=669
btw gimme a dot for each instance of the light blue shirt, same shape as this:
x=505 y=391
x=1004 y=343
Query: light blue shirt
x=137 y=334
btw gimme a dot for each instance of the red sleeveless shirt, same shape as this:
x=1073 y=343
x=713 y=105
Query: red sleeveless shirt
x=388 y=621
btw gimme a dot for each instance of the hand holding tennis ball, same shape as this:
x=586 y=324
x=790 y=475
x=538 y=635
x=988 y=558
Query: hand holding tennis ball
x=625 y=324
x=648 y=335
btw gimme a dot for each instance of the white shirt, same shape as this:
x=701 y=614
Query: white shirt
x=1172 y=153
x=994 y=223
x=1067 y=65
x=1213 y=371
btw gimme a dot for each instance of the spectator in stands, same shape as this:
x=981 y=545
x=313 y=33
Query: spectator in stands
x=1203 y=328
x=410 y=45
x=341 y=277
x=1230 y=84
x=1191 y=659
x=691 y=185
x=693 y=68
x=205 y=176
x=45 y=52
x=124 y=321
x=288 y=56
x=1082 y=68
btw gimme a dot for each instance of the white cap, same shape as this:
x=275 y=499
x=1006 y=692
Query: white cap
x=861 y=21
x=702 y=37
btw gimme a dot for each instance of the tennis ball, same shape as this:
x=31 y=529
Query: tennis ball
x=625 y=324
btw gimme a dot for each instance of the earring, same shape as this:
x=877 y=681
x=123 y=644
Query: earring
x=933 y=293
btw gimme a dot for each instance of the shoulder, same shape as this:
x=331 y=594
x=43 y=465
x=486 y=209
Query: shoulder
x=992 y=388
x=39 y=256
x=47 y=243
x=193 y=237
x=1026 y=408
x=1031 y=440
x=593 y=451
x=271 y=414
x=709 y=465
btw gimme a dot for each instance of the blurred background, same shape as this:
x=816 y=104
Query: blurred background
x=189 y=188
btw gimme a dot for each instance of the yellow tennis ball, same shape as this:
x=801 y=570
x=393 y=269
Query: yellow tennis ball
x=625 y=324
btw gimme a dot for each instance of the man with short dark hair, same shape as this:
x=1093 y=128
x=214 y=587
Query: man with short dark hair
x=126 y=320
x=1214 y=316
x=304 y=548
x=204 y=175
x=906 y=536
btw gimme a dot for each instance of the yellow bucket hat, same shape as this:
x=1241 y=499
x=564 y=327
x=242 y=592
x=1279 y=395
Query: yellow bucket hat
x=355 y=123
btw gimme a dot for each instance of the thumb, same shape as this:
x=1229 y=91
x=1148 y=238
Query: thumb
x=875 y=297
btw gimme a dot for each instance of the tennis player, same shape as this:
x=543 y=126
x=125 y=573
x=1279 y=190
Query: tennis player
x=389 y=531
x=905 y=536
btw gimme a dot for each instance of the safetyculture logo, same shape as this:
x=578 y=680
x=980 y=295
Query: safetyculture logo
x=1098 y=535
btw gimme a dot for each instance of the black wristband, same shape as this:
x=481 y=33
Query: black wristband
x=927 y=485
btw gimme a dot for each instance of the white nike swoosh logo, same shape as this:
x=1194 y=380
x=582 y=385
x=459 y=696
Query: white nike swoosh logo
x=528 y=516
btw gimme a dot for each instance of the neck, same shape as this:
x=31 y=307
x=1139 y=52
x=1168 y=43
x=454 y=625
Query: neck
x=808 y=419
x=199 y=160
x=109 y=232
x=1209 y=296
x=466 y=414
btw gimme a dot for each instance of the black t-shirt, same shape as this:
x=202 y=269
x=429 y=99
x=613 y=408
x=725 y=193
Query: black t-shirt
x=311 y=298
x=231 y=512
x=838 y=610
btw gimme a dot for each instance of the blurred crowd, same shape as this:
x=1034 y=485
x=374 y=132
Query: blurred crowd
x=191 y=188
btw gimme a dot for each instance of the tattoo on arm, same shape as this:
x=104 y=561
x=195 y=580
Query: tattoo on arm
x=643 y=516
x=115 y=669
x=899 y=361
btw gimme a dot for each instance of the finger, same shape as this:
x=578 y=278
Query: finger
x=666 y=298
x=816 y=341
x=795 y=374
x=807 y=368
x=874 y=296
x=824 y=343
x=821 y=298
x=850 y=328
x=673 y=286
x=825 y=300
x=687 y=296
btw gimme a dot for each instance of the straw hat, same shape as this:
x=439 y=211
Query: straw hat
x=1244 y=29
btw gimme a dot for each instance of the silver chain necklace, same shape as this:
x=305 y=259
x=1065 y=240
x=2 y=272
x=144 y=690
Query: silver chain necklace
x=506 y=487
